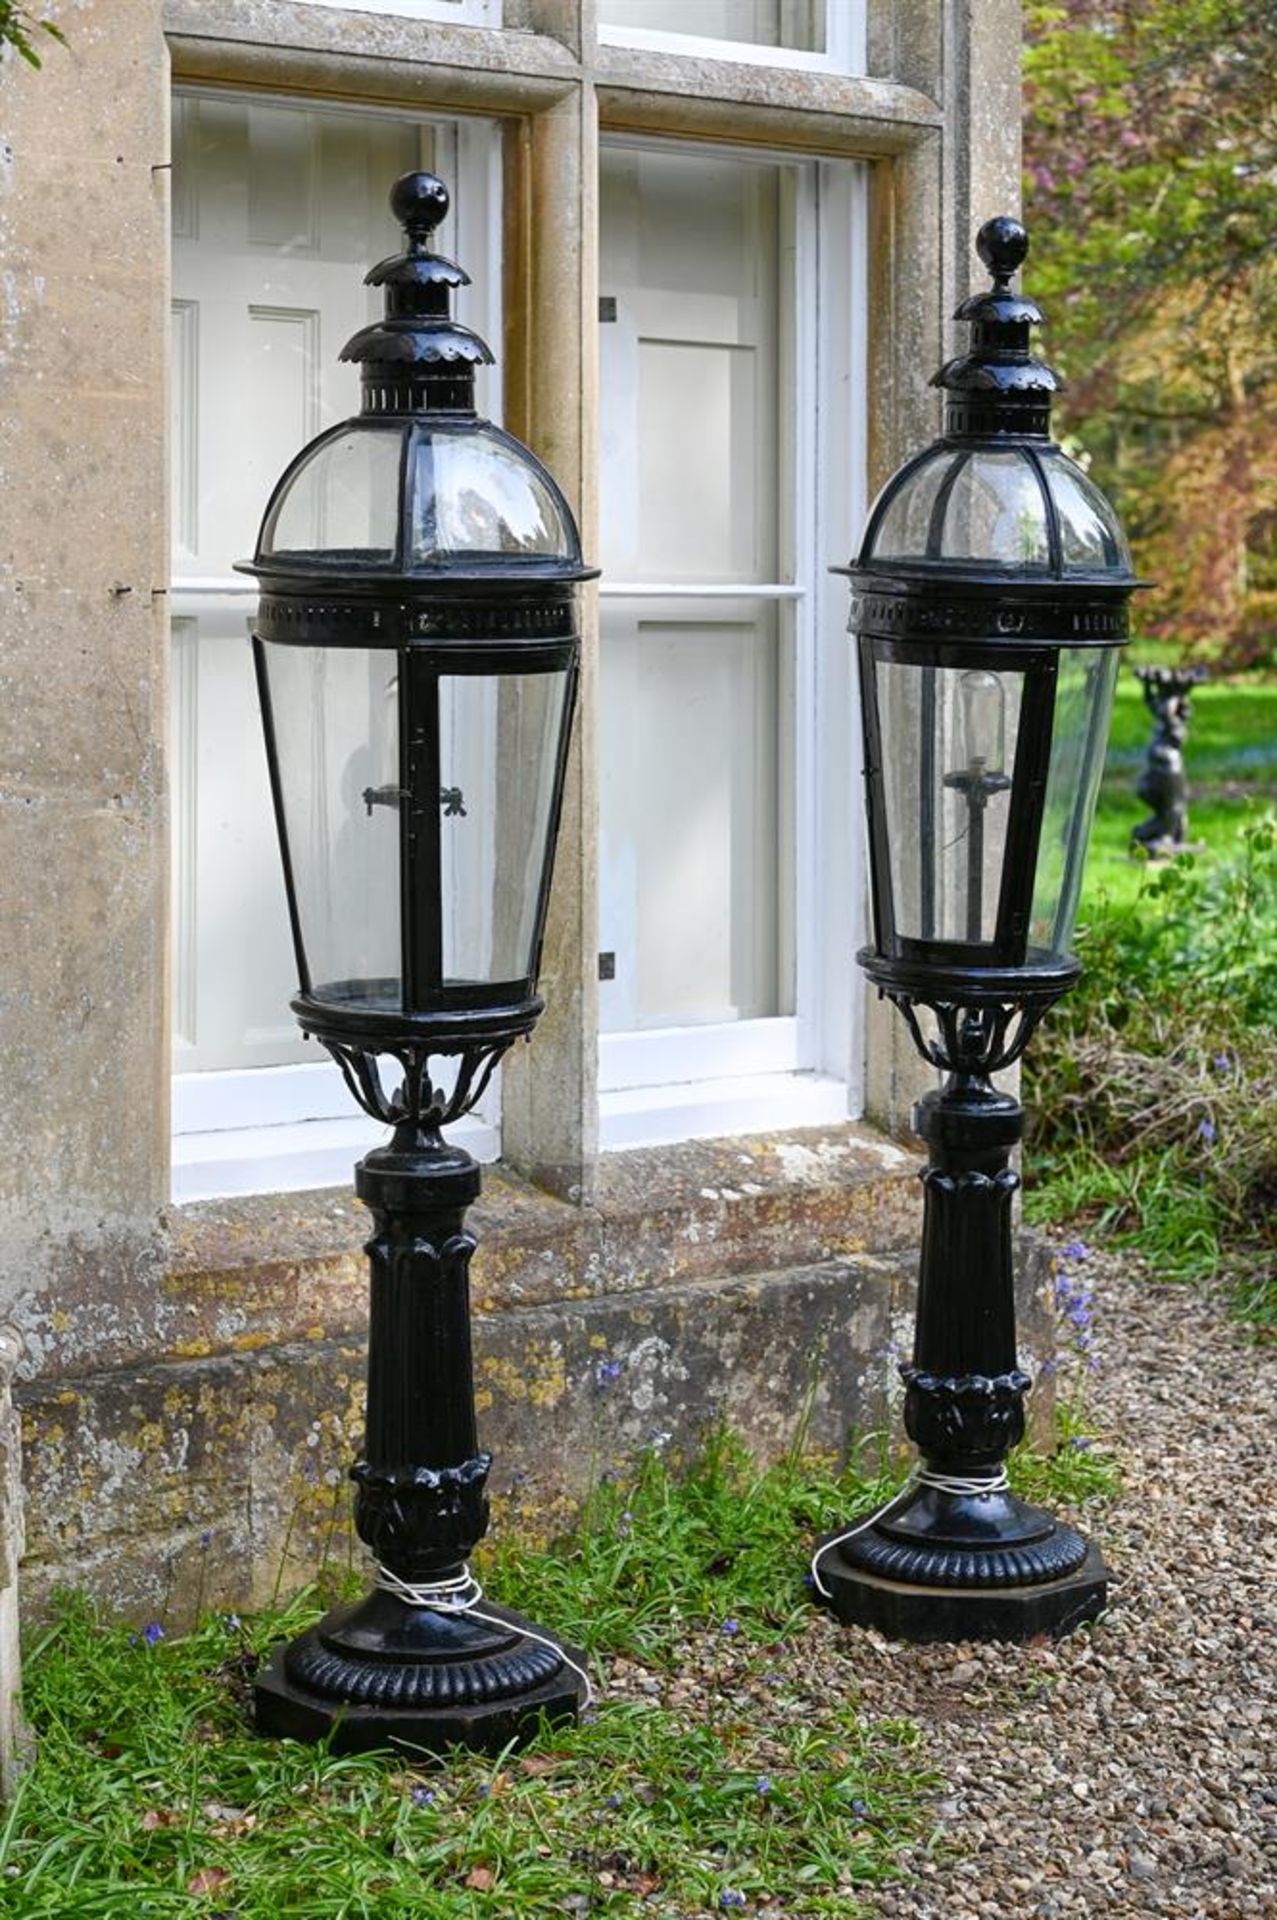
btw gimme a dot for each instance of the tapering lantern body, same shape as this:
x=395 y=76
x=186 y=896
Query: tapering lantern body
x=989 y=602
x=416 y=647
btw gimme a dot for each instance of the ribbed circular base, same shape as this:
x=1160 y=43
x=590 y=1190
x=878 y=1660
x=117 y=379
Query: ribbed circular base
x=385 y=1675
x=939 y=1565
x=416 y=1685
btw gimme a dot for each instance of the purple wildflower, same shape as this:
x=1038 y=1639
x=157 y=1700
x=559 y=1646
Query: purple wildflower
x=763 y=1784
x=1206 y=1132
x=1080 y=1443
x=607 y=1371
x=233 y=1622
x=1076 y=1250
x=731 y=1897
x=423 y=1796
x=1222 y=1062
x=206 y=1538
x=731 y=1626
x=152 y=1632
x=613 y=1801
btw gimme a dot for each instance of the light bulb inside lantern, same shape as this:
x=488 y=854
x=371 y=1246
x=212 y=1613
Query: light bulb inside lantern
x=983 y=704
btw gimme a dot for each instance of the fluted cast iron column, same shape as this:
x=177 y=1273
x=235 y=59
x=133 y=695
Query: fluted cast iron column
x=966 y=1559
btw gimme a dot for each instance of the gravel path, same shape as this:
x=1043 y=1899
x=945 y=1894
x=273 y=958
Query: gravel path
x=1132 y=1769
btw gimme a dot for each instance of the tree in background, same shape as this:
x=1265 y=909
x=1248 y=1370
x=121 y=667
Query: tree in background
x=18 y=28
x=1151 y=175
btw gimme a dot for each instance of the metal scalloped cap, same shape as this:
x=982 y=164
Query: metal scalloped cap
x=418 y=358
x=999 y=386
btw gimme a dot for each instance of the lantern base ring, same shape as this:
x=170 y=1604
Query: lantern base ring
x=382 y=1674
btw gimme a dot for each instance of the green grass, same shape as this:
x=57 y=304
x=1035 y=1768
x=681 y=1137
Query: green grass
x=1153 y=1088
x=1231 y=760
x=150 y=1796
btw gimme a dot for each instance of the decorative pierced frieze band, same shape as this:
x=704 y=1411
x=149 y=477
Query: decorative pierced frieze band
x=983 y=619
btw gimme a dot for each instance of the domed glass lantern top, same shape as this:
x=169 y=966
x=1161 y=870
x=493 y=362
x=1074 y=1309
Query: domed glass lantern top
x=990 y=597
x=416 y=646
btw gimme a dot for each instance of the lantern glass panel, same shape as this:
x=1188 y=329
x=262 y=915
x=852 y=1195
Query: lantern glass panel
x=476 y=492
x=499 y=748
x=336 y=720
x=948 y=743
x=994 y=507
x=1091 y=537
x=341 y=501
x=1083 y=704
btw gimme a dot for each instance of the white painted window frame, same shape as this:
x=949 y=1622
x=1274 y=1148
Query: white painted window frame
x=846 y=43
x=447 y=13
x=666 y=1084
x=296 y=1127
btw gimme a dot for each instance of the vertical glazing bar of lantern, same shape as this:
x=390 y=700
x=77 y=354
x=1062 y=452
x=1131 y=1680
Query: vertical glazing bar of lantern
x=559 y=789
x=884 y=905
x=419 y=840
x=975 y=854
x=1024 y=825
x=927 y=807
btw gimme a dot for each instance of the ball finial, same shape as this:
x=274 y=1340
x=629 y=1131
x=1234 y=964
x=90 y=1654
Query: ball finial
x=1002 y=244
x=419 y=202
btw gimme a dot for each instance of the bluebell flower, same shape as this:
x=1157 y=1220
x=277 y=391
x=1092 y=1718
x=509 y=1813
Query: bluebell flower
x=731 y=1897
x=423 y=1796
x=1206 y=1131
x=763 y=1784
x=1075 y=1250
x=152 y=1632
x=607 y=1371
x=731 y=1626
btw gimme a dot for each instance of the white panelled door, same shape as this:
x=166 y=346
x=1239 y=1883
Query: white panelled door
x=695 y=685
x=277 y=212
x=729 y=297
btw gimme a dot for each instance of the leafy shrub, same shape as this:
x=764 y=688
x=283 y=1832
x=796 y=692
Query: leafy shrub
x=1153 y=1088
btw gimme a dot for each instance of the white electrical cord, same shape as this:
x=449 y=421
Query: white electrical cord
x=952 y=1483
x=462 y=1594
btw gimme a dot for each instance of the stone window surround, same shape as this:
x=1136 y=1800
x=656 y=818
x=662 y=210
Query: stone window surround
x=548 y=79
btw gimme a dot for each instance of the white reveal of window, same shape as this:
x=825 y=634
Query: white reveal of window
x=732 y=389
x=826 y=35
x=277 y=211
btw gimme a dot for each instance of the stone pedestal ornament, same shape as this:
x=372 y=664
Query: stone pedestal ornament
x=416 y=647
x=989 y=600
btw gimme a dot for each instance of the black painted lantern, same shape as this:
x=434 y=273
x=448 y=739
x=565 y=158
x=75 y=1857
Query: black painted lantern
x=416 y=650
x=989 y=601
x=416 y=647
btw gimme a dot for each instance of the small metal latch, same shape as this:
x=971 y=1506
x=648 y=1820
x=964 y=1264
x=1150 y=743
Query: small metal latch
x=607 y=966
x=451 y=799
x=607 y=306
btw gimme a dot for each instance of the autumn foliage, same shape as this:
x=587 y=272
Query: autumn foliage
x=1151 y=191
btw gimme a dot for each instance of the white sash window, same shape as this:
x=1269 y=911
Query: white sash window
x=816 y=34
x=731 y=296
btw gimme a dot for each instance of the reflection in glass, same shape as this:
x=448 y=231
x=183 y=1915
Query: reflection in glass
x=342 y=500
x=336 y=718
x=1083 y=703
x=990 y=504
x=498 y=755
x=948 y=738
x=485 y=795
x=474 y=491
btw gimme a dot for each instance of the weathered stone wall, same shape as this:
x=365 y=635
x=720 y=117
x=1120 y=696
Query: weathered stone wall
x=764 y=1281
x=170 y=1386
